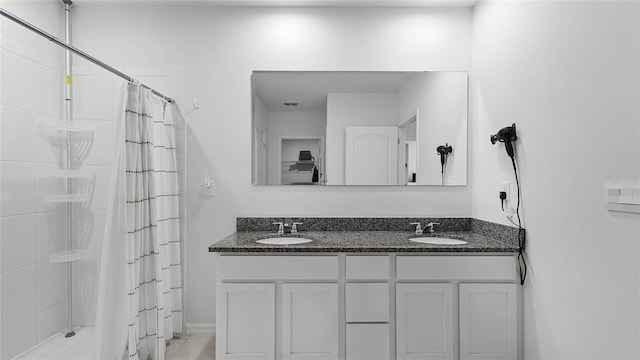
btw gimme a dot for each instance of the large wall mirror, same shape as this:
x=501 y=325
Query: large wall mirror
x=359 y=128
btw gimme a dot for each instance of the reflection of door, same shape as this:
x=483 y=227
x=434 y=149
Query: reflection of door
x=371 y=155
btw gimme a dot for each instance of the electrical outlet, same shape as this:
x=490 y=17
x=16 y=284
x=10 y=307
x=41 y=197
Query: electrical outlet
x=504 y=186
x=208 y=187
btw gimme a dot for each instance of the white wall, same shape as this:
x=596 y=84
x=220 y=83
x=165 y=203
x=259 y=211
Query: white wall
x=567 y=73
x=34 y=291
x=218 y=48
x=261 y=133
x=345 y=110
x=290 y=123
x=440 y=101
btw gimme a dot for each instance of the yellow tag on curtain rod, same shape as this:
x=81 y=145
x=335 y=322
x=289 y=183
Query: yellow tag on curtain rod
x=68 y=79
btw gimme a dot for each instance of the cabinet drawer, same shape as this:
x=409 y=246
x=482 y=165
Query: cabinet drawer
x=495 y=268
x=277 y=267
x=368 y=342
x=367 y=267
x=367 y=302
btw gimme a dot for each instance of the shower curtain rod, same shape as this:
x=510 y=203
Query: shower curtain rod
x=78 y=52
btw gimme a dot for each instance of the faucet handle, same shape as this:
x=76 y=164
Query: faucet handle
x=418 y=227
x=294 y=227
x=430 y=225
x=280 y=227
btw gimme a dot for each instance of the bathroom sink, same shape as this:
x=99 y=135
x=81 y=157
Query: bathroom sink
x=438 y=240
x=283 y=241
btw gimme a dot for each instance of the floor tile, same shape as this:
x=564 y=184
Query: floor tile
x=196 y=348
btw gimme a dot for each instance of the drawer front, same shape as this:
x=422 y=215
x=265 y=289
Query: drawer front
x=368 y=342
x=495 y=268
x=277 y=267
x=367 y=302
x=367 y=267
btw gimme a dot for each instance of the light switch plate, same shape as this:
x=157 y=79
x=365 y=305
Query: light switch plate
x=208 y=187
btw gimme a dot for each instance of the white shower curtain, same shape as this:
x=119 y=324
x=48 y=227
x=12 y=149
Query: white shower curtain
x=139 y=294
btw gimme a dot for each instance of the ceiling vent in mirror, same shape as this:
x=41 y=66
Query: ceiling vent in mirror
x=290 y=103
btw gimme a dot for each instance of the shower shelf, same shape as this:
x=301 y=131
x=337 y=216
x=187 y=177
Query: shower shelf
x=64 y=126
x=73 y=255
x=73 y=174
x=66 y=198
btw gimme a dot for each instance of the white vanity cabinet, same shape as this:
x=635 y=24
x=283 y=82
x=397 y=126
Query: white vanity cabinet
x=309 y=321
x=277 y=307
x=424 y=321
x=457 y=307
x=245 y=314
x=367 y=306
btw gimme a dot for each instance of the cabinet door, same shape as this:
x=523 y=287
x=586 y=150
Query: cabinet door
x=488 y=321
x=246 y=321
x=368 y=341
x=367 y=302
x=424 y=321
x=310 y=321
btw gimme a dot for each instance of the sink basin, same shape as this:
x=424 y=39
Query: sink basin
x=438 y=240
x=284 y=241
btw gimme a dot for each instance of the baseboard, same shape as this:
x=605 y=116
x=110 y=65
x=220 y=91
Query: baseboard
x=201 y=329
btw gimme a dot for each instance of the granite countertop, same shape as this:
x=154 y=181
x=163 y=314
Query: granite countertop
x=361 y=241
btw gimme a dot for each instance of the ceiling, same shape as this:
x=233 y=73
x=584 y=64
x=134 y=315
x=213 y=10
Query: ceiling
x=310 y=88
x=303 y=3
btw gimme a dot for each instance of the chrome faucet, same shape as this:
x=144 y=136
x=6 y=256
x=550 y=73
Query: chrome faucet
x=418 y=227
x=429 y=226
x=280 y=227
x=294 y=227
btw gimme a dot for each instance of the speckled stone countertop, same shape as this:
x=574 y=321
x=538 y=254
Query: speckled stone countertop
x=361 y=241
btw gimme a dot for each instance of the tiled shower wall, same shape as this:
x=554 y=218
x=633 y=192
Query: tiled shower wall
x=34 y=291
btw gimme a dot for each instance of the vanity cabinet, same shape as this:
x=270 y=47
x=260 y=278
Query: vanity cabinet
x=457 y=307
x=277 y=307
x=424 y=321
x=309 y=321
x=246 y=320
x=488 y=321
x=367 y=306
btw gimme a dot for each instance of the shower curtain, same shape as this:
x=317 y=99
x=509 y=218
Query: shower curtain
x=139 y=294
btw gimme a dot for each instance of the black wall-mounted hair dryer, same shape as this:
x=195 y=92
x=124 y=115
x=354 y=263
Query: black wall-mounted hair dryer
x=507 y=135
x=443 y=151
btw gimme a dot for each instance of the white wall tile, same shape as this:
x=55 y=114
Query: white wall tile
x=18 y=294
x=49 y=91
x=17 y=241
x=97 y=149
x=85 y=278
x=51 y=320
x=50 y=145
x=17 y=87
x=88 y=228
x=97 y=187
x=51 y=283
x=19 y=337
x=17 y=186
x=84 y=312
x=51 y=233
x=48 y=185
x=93 y=97
x=167 y=85
x=18 y=134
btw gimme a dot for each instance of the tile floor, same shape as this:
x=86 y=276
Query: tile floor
x=191 y=347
